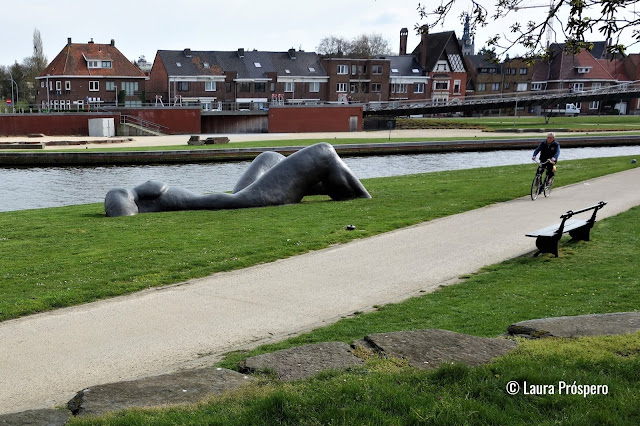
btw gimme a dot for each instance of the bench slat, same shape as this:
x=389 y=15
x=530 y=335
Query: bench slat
x=550 y=231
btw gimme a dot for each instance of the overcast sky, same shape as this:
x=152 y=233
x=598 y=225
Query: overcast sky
x=141 y=27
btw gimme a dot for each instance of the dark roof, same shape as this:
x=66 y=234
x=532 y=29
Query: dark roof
x=72 y=61
x=405 y=65
x=439 y=45
x=480 y=61
x=305 y=64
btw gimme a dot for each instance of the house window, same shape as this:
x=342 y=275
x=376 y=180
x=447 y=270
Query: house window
x=522 y=87
x=399 y=88
x=441 y=85
x=353 y=88
x=58 y=85
x=67 y=85
x=257 y=64
x=312 y=69
x=343 y=69
x=418 y=88
x=288 y=86
x=364 y=87
x=482 y=87
x=394 y=70
x=442 y=66
x=209 y=86
x=272 y=87
x=206 y=65
x=354 y=69
x=594 y=104
x=596 y=86
x=183 y=86
x=495 y=87
x=93 y=64
x=456 y=86
x=110 y=86
x=584 y=70
x=244 y=87
x=260 y=87
x=341 y=87
x=94 y=86
x=536 y=86
x=130 y=87
x=376 y=87
x=523 y=71
x=227 y=87
x=578 y=87
x=376 y=69
x=507 y=71
x=314 y=87
x=106 y=64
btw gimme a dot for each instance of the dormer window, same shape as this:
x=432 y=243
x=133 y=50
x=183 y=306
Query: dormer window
x=106 y=64
x=178 y=64
x=257 y=64
x=287 y=72
x=312 y=69
x=206 y=64
x=93 y=64
x=583 y=70
x=415 y=71
x=394 y=69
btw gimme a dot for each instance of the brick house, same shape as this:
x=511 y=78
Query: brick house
x=577 y=72
x=358 y=80
x=251 y=79
x=440 y=57
x=89 y=74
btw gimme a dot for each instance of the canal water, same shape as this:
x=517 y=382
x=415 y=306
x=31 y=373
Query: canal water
x=31 y=188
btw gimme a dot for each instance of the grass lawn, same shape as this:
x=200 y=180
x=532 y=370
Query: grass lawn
x=598 y=276
x=70 y=255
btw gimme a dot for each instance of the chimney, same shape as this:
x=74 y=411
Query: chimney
x=187 y=52
x=292 y=53
x=404 y=34
x=424 y=32
x=91 y=41
x=241 y=52
x=68 y=40
x=113 y=43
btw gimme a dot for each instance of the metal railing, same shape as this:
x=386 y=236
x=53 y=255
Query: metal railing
x=130 y=119
x=499 y=100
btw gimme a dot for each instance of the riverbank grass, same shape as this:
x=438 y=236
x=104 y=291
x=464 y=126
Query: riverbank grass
x=598 y=276
x=66 y=256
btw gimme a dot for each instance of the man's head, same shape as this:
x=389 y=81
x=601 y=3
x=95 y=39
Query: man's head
x=551 y=137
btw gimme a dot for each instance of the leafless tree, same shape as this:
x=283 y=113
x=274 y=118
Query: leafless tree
x=612 y=19
x=362 y=46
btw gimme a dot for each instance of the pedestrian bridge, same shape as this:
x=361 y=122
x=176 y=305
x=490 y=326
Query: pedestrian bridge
x=544 y=99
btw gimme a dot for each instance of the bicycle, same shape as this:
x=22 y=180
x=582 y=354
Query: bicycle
x=540 y=184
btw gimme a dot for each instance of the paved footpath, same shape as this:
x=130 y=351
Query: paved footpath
x=46 y=358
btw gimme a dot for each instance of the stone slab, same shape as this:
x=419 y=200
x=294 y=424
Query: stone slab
x=183 y=387
x=427 y=349
x=304 y=361
x=578 y=326
x=46 y=417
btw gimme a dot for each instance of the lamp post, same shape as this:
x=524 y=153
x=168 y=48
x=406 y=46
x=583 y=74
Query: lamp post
x=13 y=103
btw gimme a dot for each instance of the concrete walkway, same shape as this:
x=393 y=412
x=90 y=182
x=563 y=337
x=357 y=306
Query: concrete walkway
x=45 y=359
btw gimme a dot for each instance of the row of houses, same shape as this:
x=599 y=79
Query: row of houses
x=437 y=70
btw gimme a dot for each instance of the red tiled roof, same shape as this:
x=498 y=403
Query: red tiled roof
x=615 y=68
x=72 y=61
x=565 y=67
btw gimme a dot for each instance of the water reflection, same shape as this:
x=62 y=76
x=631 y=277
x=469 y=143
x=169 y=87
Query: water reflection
x=51 y=187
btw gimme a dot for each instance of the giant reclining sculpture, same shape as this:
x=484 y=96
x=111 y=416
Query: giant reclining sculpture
x=272 y=179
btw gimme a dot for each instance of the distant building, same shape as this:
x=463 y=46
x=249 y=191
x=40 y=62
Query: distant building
x=84 y=74
x=467 y=42
x=252 y=79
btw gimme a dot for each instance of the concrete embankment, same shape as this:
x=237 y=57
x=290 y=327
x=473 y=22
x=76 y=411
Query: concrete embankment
x=95 y=157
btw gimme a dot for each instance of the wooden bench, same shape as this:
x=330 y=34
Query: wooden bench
x=547 y=238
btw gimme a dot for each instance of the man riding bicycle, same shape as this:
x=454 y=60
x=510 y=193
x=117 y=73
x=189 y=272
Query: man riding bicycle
x=549 y=150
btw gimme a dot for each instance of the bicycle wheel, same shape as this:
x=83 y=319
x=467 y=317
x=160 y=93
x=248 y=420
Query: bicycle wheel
x=548 y=188
x=535 y=186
